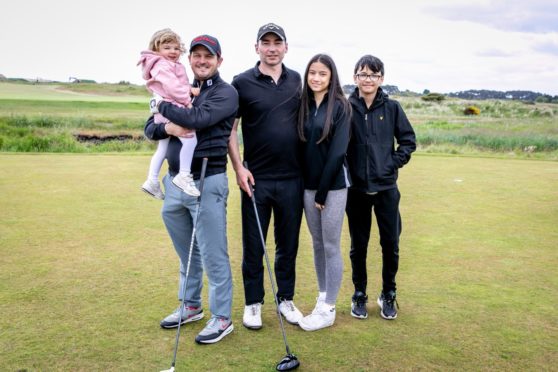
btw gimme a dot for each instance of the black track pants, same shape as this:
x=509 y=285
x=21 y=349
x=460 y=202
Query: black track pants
x=359 y=212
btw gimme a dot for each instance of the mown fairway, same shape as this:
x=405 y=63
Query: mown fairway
x=87 y=271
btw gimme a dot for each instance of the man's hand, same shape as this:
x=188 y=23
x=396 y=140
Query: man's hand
x=154 y=103
x=244 y=179
x=178 y=131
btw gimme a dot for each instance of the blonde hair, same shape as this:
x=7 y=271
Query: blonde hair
x=165 y=36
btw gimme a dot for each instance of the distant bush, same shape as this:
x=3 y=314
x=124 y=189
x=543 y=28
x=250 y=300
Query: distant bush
x=472 y=110
x=436 y=97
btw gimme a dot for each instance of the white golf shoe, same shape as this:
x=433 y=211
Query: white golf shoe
x=252 y=318
x=290 y=312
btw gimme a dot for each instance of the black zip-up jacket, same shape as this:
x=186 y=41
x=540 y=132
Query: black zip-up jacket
x=324 y=162
x=372 y=157
x=212 y=116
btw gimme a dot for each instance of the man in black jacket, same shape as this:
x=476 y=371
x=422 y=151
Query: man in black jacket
x=377 y=123
x=212 y=116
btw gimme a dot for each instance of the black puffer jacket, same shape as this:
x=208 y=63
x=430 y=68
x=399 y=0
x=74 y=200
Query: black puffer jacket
x=372 y=157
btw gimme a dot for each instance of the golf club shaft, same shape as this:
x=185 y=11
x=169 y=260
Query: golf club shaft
x=274 y=290
x=192 y=241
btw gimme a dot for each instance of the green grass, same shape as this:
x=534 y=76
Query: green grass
x=73 y=92
x=509 y=129
x=87 y=271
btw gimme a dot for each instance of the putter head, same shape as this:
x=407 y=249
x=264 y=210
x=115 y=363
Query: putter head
x=288 y=363
x=168 y=370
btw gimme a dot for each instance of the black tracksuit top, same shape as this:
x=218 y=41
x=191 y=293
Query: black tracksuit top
x=324 y=162
x=372 y=157
x=212 y=116
x=269 y=114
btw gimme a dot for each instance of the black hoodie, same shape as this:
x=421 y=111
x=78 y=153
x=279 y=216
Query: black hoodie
x=372 y=157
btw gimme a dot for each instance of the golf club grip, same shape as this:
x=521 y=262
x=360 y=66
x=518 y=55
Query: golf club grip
x=202 y=174
x=245 y=163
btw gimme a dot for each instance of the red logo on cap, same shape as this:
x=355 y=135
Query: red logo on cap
x=204 y=38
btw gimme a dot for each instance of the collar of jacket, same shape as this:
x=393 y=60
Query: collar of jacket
x=207 y=83
x=359 y=104
x=312 y=100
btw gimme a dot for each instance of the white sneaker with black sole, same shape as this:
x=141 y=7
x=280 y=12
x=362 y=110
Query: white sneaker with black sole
x=252 y=318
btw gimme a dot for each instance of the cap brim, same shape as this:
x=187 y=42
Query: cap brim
x=271 y=32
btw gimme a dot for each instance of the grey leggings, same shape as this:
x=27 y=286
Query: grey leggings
x=325 y=227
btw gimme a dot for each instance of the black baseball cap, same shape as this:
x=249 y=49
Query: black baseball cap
x=210 y=42
x=273 y=28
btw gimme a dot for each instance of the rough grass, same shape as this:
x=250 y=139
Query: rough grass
x=87 y=271
x=510 y=129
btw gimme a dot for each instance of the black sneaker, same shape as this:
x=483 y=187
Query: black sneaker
x=388 y=305
x=358 y=307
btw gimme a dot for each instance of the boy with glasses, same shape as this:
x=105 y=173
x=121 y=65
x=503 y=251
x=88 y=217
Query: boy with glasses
x=377 y=123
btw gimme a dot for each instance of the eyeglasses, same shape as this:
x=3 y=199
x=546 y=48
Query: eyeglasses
x=372 y=78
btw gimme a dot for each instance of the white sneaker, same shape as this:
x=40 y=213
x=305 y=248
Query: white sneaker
x=153 y=188
x=290 y=312
x=322 y=316
x=185 y=181
x=252 y=318
x=320 y=300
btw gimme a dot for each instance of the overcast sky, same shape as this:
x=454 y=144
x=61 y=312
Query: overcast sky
x=440 y=45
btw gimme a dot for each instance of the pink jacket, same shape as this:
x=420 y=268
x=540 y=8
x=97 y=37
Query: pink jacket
x=166 y=78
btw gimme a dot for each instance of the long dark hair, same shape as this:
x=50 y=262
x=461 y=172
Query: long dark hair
x=334 y=92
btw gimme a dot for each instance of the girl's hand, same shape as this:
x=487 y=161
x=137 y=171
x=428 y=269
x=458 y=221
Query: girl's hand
x=319 y=206
x=195 y=91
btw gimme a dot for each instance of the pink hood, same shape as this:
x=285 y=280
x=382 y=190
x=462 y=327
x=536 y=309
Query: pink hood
x=166 y=78
x=147 y=61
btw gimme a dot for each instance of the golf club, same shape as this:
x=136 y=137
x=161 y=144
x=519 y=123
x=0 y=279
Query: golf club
x=192 y=240
x=290 y=361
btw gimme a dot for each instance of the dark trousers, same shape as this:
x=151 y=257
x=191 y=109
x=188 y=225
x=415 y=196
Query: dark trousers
x=284 y=199
x=359 y=212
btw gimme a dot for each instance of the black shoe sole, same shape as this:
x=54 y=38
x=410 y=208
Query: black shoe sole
x=286 y=320
x=252 y=328
x=228 y=330
x=195 y=318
